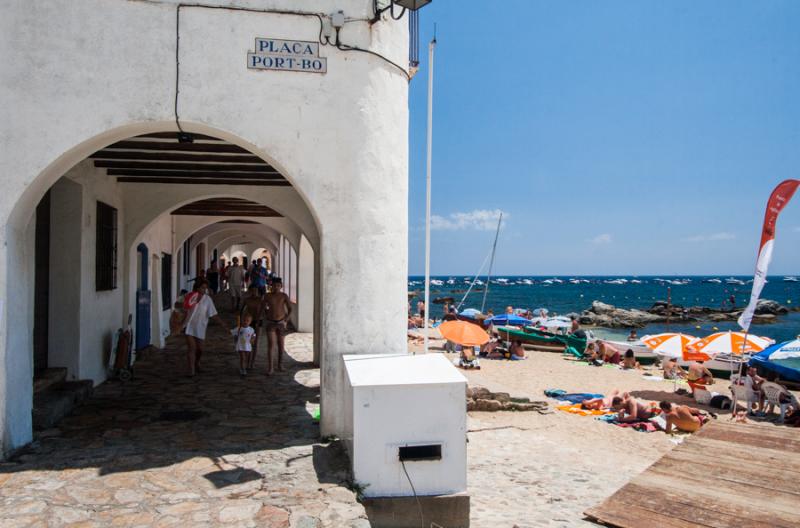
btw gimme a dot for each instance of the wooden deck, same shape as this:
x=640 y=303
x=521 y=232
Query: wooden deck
x=726 y=475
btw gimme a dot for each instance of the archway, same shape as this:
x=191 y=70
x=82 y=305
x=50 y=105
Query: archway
x=143 y=187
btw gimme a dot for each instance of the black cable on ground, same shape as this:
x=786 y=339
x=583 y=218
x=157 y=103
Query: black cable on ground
x=414 y=491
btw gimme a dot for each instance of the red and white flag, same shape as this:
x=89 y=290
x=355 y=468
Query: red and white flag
x=777 y=201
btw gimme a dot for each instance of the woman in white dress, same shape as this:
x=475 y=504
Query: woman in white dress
x=200 y=309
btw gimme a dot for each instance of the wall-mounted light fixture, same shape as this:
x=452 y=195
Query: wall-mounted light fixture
x=412 y=5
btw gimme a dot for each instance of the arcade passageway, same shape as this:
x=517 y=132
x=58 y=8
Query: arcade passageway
x=168 y=450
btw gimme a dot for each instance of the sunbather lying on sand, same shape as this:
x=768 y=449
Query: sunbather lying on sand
x=682 y=417
x=630 y=409
x=597 y=404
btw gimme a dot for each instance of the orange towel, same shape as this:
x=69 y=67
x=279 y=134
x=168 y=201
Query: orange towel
x=576 y=409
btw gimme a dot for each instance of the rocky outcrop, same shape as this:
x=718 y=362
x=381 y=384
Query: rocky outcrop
x=482 y=399
x=609 y=316
x=602 y=314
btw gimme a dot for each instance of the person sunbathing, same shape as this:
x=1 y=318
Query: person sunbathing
x=598 y=404
x=629 y=361
x=699 y=376
x=608 y=353
x=681 y=417
x=672 y=370
x=630 y=409
x=517 y=350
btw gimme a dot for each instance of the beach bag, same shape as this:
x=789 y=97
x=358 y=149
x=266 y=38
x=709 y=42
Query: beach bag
x=720 y=401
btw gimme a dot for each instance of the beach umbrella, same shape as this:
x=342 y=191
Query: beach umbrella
x=463 y=333
x=470 y=312
x=540 y=312
x=669 y=344
x=730 y=343
x=782 y=359
x=506 y=320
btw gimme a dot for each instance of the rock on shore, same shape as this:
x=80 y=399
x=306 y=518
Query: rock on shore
x=609 y=316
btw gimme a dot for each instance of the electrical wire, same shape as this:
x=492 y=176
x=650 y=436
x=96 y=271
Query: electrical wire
x=326 y=42
x=414 y=491
x=346 y=47
x=177 y=63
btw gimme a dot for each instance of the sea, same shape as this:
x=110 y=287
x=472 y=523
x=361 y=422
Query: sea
x=573 y=294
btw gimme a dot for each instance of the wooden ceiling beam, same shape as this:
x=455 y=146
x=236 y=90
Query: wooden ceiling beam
x=205 y=181
x=132 y=173
x=219 y=167
x=174 y=156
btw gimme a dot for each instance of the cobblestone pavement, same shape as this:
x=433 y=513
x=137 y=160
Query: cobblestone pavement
x=169 y=450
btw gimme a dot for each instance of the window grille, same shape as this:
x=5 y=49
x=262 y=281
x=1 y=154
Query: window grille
x=106 y=248
x=166 y=281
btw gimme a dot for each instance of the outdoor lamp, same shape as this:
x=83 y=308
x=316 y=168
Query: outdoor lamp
x=412 y=5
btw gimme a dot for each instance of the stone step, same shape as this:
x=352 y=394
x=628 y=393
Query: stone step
x=48 y=378
x=56 y=402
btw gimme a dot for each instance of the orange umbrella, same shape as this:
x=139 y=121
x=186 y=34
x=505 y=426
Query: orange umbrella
x=691 y=353
x=669 y=344
x=463 y=333
x=731 y=343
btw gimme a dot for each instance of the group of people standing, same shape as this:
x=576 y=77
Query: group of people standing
x=265 y=305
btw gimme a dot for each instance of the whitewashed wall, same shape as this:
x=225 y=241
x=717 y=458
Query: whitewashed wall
x=340 y=138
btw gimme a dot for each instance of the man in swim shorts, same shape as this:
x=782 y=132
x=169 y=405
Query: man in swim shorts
x=681 y=417
x=278 y=310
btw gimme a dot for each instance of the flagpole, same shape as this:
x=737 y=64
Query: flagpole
x=431 y=48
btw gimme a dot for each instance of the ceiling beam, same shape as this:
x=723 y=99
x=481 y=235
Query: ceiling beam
x=132 y=173
x=174 y=156
x=221 y=167
x=206 y=181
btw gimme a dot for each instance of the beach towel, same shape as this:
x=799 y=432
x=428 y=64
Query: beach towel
x=643 y=426
x=576 y=409
x=578 y=397
x=573 y=351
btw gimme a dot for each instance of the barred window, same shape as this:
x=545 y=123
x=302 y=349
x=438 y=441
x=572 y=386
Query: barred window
x=106 y=255
x=166 y=281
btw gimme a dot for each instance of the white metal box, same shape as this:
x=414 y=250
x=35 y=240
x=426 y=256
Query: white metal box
x=414 y=405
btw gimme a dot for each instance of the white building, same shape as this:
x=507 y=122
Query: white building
x=299 y=153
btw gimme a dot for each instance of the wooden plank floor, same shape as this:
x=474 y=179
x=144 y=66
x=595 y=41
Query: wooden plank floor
x=725 y=476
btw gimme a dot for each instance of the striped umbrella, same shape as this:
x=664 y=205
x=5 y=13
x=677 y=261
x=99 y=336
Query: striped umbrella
x=669 y=344
x=731 y=343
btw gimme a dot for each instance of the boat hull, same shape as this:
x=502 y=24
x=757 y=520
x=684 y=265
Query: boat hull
x=541 y=341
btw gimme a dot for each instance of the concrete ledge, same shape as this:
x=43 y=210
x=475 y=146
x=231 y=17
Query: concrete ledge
x=53 y=404
x=446 y=511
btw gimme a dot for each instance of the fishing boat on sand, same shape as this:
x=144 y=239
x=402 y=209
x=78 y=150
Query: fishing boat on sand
x=541 y=340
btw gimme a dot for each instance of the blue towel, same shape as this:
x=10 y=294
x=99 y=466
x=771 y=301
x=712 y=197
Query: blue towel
x=578 y=397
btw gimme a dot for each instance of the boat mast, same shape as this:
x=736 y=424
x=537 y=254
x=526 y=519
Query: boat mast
x=491 y=262
x=431 y=48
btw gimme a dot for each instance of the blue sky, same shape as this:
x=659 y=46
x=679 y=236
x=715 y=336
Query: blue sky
x=620 y=137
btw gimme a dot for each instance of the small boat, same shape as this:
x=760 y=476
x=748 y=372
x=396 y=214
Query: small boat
x=437 y=282
x=635 y=281
x=791 y=279
x=731 y=280
x=712 y=281
x=640 y=350
x=541 y=340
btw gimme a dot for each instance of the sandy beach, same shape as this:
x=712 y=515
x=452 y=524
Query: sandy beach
x=527 y=469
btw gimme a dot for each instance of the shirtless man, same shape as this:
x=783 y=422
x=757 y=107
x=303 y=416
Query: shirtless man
x=278 y=312
x=681 y=417
x=698 y=375
x=253 y=305
x=630 y=409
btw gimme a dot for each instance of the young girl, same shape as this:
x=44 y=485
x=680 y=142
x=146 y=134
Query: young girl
x=245 y=336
